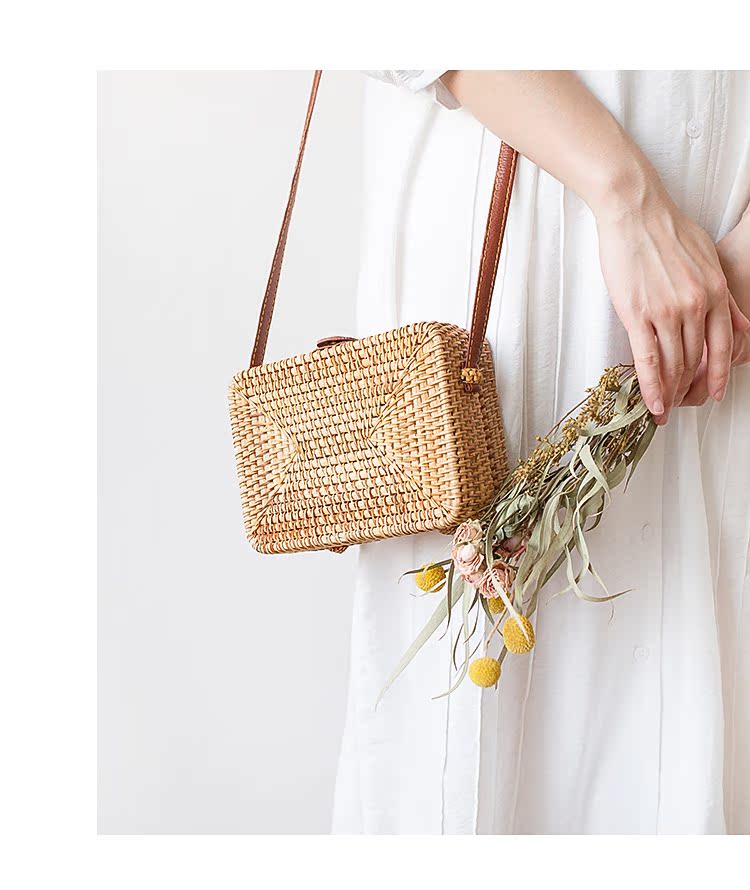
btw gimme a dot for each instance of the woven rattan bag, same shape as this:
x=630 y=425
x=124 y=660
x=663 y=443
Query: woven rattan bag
x=360 y=440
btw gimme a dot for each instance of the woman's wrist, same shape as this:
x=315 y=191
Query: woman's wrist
x=734 y=255
x=733 y=251
x=737 y=241
x=627 y=186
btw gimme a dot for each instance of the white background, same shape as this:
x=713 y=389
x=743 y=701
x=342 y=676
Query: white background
x=222 y=673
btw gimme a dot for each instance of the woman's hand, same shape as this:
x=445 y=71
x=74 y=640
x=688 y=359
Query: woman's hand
x=669 y=290
x=662 y=271
x=734 y=254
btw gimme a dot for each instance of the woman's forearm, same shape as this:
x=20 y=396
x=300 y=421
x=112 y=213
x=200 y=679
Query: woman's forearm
x=551 y=118
x=660 y=268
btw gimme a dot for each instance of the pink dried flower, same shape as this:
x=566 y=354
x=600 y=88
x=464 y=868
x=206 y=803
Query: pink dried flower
x=469 y=561
x=512 y=545
x=468 y=551
x=494 y=580
x=468 y=533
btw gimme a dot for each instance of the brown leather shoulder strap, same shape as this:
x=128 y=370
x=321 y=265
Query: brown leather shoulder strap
x=497 y=218
x=269 y=299
x=493 y=242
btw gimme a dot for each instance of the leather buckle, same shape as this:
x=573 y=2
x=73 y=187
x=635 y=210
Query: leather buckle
x=325 y=342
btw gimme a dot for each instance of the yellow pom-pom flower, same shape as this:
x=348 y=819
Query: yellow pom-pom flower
x=484 y=671
x=496 y=605
x=514 y=638
x=430 y=578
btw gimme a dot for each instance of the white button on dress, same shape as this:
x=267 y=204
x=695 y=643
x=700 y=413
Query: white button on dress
x=630 y=718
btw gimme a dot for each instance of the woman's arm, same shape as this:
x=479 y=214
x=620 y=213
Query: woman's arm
x=661 y=269
x=734 y=254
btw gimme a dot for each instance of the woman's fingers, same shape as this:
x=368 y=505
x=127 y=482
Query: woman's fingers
x=695 y=387
x=697 y=394
x=693 y=346
x=671 y=362
x=739 y=321
x=741 y=353
x=720 y=345
x=646 y=359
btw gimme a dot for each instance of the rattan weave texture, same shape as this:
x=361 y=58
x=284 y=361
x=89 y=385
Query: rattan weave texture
x=364 y=440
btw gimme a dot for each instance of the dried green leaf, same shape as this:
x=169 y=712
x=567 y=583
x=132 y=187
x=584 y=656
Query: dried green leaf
x=446 y=603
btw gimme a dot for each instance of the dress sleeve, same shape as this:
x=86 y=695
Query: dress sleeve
x=427 y=82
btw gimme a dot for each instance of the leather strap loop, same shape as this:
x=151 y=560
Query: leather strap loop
x=493 y=242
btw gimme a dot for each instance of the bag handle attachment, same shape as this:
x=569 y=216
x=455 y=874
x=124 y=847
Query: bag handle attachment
x=497 y=219
x=493 y=242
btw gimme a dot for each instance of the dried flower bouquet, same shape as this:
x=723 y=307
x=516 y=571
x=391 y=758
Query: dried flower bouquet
x=537 y=523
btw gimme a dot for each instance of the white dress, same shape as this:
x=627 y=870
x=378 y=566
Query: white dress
x=631 y=719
